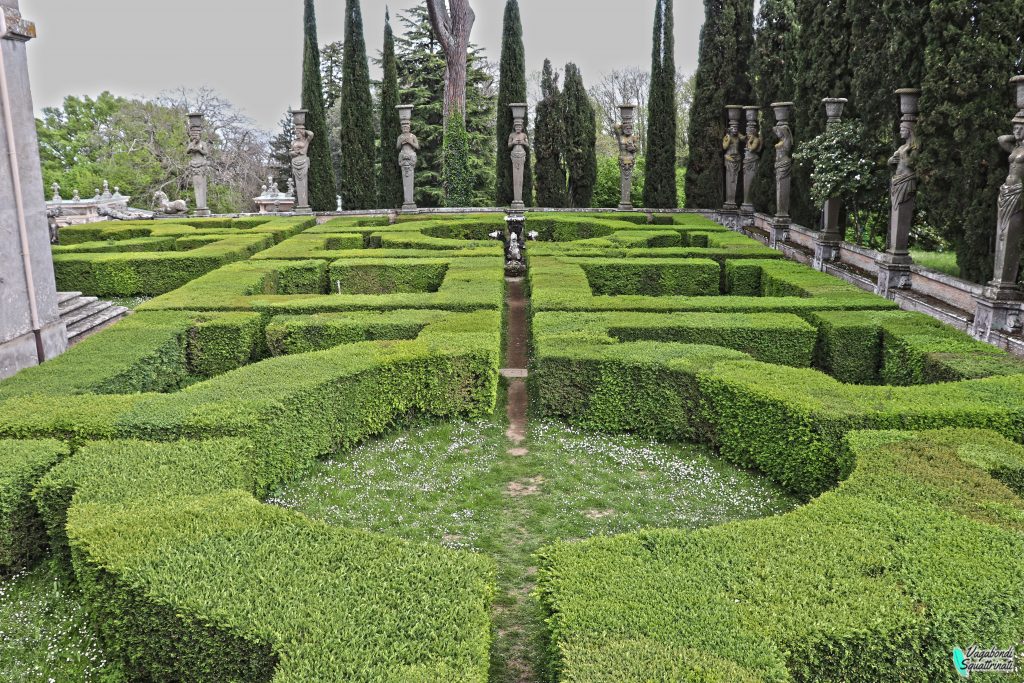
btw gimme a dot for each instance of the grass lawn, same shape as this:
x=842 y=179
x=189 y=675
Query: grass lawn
x=462 y=485
x=943 y=262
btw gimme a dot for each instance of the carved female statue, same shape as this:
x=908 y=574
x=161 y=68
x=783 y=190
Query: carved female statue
x=198 y=151
x=904 y=161
x=408 y=146
x=518 y=142
x=300 y=166
x=733 y=161
x=627 y=161
x=1011 y=207
x=783 y=168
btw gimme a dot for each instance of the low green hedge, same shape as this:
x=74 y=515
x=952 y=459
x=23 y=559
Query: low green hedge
x=294 y=334
x=868 y=583
x=652 y=277
x=384 y=276
x=149 y=273
x=22 y=465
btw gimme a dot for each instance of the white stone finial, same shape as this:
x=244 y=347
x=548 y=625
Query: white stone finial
x=56 y=192
x=77 y=197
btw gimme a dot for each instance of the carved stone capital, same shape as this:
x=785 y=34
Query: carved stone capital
x=15 y=27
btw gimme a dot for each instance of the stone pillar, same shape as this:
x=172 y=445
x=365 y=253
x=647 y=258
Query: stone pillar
x=199 y=162
x=625 y=134
x=751 y=161
x=31 y=330
x=999 y=308
x=828 y=241
x=894 y=264
x=779 y=232
x=732 y=145
x=300 y=161
x=519 y=143
x=408 y=147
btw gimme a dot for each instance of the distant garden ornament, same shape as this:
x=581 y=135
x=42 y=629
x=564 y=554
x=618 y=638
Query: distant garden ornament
x=408 y=147
x=166 y=206
x=626 y=136
x=199 y=162
x=751 y=160
x=783 y=170
x=519 y=143
x=894 y=264
x=300 y=161
x=731 y=145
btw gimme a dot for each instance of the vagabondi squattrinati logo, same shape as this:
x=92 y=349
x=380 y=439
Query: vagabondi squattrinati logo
x=976 y=659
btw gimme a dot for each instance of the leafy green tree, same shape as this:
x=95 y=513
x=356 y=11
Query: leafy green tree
x=548 y=142
x=321 y=173
x=390 y=187
x=458 y=179
x=722 y=78
x=972 y=50
x=421 y=66
x=660 y=186
x=608 y=189
x=511 y=89
x=770 y=65
x=332 y=59
x=580 y=139
x=358 y=146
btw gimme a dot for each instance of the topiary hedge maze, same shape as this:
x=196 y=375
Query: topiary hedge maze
x=140 y=458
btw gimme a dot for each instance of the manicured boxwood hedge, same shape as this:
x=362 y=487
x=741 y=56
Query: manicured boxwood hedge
x=868 y=583
x=22 y=465
x=293 y=334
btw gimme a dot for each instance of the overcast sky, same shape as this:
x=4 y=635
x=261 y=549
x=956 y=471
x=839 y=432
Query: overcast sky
x=250 y=51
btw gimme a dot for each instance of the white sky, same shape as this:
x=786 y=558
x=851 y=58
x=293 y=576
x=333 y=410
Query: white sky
x=250 y=51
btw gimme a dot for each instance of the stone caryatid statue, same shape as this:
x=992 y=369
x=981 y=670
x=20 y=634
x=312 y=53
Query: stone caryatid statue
x=783 y=161
x=198 y=162
x=300 y=161
x=408 y=149
x=626 y=135
x=519 y=143
x=1000 y=306
x=732 y=145
x=751 y=159
x=894 y=264
x=830 y=235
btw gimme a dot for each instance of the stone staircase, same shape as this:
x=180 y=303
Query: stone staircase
x=86 y=315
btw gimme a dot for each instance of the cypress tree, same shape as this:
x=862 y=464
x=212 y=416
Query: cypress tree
x=358 y=147
x=660 y=178
x=770 y=64
x=321 y=173
x=722 y=78
x=580 y=139
x=548 y=142
x=390 y=187
x=973 y=49
x=511 y=89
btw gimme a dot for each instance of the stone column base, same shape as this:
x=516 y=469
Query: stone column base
x=778 y=233
x=997 y=315
x=826 y=250
x=730 y=218
x=625 y=207
x=20 y=353
x=892 y=275
x=747 y=215
x=410 y=208
x=518 y=206
x=304 y=211
x=202 y=213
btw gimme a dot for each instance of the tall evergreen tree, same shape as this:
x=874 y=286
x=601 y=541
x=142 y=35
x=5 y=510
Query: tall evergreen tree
x=421 y=66
x=548 y=142
x=580 y=139
x=660 y=179
x=722 y=78
x=321 y=173
x=511 y=89
x=973 y=48
x=280 y=151
x=332 y=58
x=770 y=64
x=390 y=187
x=358 y=147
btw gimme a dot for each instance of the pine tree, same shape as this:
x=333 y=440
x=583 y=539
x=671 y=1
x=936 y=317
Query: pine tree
x=280 y=151
x=511 y=89
x=973 y=49
x=548 y=142
x=321 y=173
x=390 y=187
x=421 y=67
x=580 y=139
x=358 y=147
x=660 y=179
x=722 y=78
x=770 y=64
x=332 y=58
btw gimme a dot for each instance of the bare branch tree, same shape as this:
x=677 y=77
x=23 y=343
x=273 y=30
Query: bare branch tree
x=630 y=85
x=452 y=21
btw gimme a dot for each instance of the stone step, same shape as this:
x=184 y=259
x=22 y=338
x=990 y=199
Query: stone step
x=64 y=297
x=92 y=324
x=83 y=312
x=71 y=305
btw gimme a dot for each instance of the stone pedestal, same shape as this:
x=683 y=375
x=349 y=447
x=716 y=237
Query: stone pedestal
x=999 y=310
x=893 y=274
x=31 y=330
x=778 y=232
